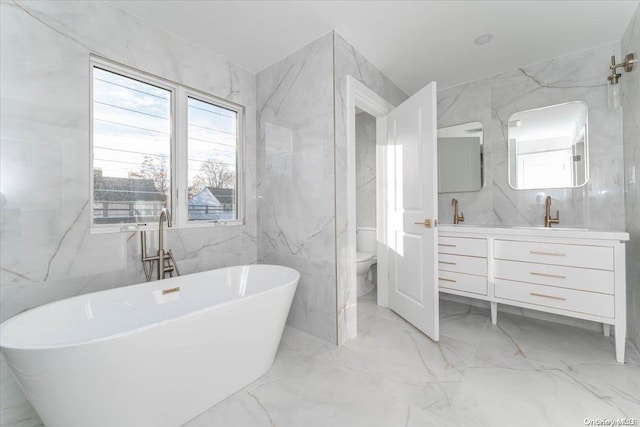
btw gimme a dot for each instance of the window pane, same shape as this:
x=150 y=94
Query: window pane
x=212 y=161
x=131 y=149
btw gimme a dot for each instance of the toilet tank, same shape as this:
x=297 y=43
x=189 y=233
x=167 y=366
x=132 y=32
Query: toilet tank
x=366 y=240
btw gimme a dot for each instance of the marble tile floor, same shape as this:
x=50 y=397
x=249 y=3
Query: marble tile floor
x=523 y=372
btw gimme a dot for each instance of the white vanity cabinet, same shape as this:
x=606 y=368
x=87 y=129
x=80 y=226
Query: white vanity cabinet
x=577 y=273
x=462 y=265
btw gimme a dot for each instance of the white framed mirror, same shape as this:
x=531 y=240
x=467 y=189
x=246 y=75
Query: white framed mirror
x=548 y=147
x=460 y=158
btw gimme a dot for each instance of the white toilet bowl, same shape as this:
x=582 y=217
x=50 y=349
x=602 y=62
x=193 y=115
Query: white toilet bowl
x=365 y=258
x=365 y=277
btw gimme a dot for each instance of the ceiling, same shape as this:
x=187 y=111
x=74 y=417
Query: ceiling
x=412 y=42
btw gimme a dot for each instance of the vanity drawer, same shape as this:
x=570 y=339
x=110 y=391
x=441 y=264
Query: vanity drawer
x=462 y=282
x=559 y=298
x=462 y=246
x=462 y=264
x=557 y=254
x=583 y=279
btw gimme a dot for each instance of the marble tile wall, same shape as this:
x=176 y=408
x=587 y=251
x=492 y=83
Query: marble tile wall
x=577 y=76
x=631 y=135
x=466 y=103
x=365 y=170
x=302 y=215
x=296 y=212
x=47 y=250
x=348 y=61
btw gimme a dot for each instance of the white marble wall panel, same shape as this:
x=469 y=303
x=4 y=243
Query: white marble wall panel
x=631 y=131
x=348 y=61
x=365 y=170
x=463 y=104
x=578 y=76
x=47 y=250
x=296 y=180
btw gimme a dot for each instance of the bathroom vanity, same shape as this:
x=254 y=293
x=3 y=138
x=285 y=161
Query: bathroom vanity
x=572 y=272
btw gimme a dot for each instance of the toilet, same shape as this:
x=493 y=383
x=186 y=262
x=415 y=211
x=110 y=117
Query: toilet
x=366 y=247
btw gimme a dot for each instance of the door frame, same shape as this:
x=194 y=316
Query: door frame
x=359 y=95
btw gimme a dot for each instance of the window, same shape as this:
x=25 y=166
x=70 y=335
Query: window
x=131 y=146
x=212 y=161
x=152 y=141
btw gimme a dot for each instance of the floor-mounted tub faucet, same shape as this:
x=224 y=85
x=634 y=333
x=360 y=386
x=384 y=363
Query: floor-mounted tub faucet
x=165 y=260
x=164 y=214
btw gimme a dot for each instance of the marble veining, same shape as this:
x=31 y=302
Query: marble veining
x=631 y=134
x=576 y=76
x=301 y=155
x=523 y=371
x=296 y=214
x=47 y=250
x=458 y=105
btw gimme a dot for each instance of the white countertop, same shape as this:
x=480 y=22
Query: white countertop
x=572 y=233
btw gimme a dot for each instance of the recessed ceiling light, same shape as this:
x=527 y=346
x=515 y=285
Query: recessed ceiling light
x=483 y=39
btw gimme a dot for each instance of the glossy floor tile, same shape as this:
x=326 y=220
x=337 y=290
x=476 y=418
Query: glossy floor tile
x=521 y=372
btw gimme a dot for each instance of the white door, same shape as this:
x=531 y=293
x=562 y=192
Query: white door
x=411 y=233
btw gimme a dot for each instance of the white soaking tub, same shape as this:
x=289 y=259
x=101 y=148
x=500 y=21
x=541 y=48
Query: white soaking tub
x=135 y=356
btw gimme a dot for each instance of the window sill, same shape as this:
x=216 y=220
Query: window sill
x=132 y=228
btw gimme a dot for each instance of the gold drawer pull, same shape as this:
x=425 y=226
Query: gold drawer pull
x=546 y=253
x=555 y=276
x=447 y=262
x=443 y=244
x=170 y=290
x=547 y=296
x=447 y=280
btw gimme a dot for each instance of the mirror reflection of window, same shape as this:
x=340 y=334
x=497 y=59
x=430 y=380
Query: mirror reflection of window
x=460 y=159
x=548 y=147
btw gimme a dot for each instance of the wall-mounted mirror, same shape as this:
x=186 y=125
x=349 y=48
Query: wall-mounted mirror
x=460 y=163
x=548 y=147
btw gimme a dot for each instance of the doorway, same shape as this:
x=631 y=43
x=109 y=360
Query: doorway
x=363 y=101
x=406 y=207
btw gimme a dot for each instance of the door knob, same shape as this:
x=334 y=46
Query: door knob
x=426 y=223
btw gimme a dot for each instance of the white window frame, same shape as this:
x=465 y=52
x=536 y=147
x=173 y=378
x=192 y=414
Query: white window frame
x=178 y=164
x=183 y=168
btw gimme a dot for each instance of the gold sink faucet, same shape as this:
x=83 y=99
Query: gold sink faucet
x=456 y=218
x=547 y=217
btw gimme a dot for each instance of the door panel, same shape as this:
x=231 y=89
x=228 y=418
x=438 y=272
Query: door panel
x=412 y=166
x=407 y=284
x=408 y=162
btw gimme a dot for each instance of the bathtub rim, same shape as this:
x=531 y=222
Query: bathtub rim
x=144 y=328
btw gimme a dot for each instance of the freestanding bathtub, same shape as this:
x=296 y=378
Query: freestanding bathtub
x=138 y=356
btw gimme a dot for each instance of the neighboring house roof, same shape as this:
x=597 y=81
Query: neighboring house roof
x=110 y=189
x=204 y=198
x=224 y=195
